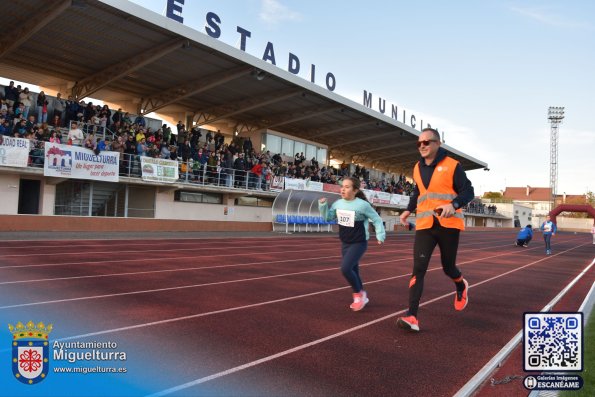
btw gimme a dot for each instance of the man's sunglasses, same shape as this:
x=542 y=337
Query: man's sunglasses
x=425 y=143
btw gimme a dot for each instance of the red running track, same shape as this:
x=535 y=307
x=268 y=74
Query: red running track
x=269 y=316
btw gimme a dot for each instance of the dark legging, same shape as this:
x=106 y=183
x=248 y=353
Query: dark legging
x=547 y=237
x=425 y=242
x=352 y=253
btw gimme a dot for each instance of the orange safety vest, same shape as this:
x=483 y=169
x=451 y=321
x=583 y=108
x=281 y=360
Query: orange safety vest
x=440 y=192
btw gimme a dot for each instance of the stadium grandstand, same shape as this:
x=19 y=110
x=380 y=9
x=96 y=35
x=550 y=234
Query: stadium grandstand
x=242 y=130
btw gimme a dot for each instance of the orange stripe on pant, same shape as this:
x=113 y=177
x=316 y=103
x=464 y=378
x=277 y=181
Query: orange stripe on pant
x=412 y=281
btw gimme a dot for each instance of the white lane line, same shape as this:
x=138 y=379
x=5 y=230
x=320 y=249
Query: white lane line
x=228 y=282
x=384 y=252
x=181 y=287
x=481 y=376
x=198 y=256
x=236 y=308
x=194 y=248
x=168 y=242
x=270 y=235
x=178 y=258
x=113 y=243
x=161 y=249
x=183 y=269
x=321 y=340
x=167 y=245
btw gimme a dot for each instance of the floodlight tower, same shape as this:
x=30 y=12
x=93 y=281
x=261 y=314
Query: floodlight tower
x=555 y=115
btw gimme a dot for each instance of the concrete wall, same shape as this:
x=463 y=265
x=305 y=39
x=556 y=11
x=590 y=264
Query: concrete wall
x=9 y=191
x=167 y=208
x=570 y=224
x=10 y=223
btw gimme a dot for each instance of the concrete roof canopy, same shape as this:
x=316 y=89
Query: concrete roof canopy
x=120 y=52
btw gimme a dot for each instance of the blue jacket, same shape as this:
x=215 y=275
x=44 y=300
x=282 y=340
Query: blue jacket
x=525 y=233
x=548 y=227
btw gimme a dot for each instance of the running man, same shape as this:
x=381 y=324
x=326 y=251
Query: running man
x=441 y=190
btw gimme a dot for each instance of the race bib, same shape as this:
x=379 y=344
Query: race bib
x=346 y=218
x=547 y=227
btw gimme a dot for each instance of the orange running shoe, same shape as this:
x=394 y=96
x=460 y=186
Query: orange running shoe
x=359 y=301
x=462 y=298
x=409 y=322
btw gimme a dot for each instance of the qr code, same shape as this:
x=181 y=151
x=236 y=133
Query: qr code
x=553 y=342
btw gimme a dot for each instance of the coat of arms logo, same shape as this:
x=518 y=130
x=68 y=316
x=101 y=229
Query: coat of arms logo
x=30 y=351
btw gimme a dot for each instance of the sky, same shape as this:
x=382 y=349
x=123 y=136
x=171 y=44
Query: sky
x=484 y=72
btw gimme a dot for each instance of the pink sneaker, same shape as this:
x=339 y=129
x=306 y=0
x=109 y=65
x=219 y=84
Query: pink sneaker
x=359 y=301
x=410 y=323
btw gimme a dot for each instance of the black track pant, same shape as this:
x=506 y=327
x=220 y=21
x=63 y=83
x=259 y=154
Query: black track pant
x=425 y=242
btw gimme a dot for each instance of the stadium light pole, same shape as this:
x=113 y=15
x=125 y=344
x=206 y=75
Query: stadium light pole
x=555 y=115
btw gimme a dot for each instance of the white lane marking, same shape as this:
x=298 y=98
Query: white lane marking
x=166 y=241
x=481 y=376
x=144 y=260
x=170 y=320
x=161 y=249
x=383 y=252
x=321 y=340
x=168 y=244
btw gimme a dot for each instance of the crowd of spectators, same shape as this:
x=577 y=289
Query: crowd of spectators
x=477 y=207
x=203 y=155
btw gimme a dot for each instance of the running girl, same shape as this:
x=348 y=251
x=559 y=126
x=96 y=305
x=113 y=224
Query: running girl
x=352 y=212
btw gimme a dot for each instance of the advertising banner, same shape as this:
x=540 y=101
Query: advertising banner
x=399 y=199
x=277 y=184
x=14 y=152
x=65 y=161
x=302 y=184
x=159 y=170
x=327 y=187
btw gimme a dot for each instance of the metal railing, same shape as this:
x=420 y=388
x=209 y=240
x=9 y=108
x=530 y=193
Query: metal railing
x=196 y=173
x=191 y=172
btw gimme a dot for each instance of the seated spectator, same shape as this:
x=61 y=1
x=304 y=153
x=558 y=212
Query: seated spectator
x=89 y=142
x=56 y=122
x=102 y=145
x=126 y=118
x=142 y=148
x=165 y=152
x=30 y=122
x=55 y=137
x=173 y=149
x=20 y=128
x=277 y=159
x=140 y=135
x=4 y=127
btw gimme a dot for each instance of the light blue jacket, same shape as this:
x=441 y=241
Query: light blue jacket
x=363 y=212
